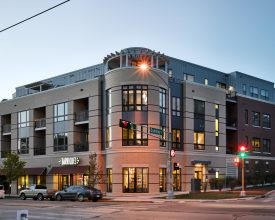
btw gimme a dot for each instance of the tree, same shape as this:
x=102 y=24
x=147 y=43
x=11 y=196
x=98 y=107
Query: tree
x=93 y=172
x=13 y=167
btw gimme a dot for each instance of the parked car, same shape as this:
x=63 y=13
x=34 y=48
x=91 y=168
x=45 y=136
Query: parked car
x=2 y=192
x=78 y=192
x=39 y=192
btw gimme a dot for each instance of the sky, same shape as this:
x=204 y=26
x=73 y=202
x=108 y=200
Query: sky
x=225 y=35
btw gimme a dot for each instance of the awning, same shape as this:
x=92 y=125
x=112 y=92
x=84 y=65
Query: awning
x=36 y=171
x=68 y=170
x=205 y=162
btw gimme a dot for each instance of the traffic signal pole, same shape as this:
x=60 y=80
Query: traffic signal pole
x=243 y=191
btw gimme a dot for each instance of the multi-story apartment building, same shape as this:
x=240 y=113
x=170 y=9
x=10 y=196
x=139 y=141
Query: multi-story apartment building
x=55 y=124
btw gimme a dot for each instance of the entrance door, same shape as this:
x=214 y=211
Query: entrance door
x=65 y=181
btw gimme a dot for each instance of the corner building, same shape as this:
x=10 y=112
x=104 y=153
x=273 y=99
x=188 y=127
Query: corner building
x=55 y=124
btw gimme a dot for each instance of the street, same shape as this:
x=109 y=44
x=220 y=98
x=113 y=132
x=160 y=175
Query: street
x=236 y=209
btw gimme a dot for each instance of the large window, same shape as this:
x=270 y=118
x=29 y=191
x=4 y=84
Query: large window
x=109 y=179
x=23 y=145
x=244 y=89
x=175 y=106
x=61 y=112
x=264 y=94
x=266 y=120
x=176 y=139
x=256 y=118
x=254 y=91
x=199 y=142
x=23 y=119
x=162 y=179
x=135 y=180
x=246 y=116
x=60 y=142
x=135 y=98
x=199 y=125
x=162 y=100
x=177 y=180
x=109 y=118
x=217 y=131
x=256 y=144
x=266 y=146
x=138 y=137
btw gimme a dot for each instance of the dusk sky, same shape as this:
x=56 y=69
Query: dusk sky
x=225 y=35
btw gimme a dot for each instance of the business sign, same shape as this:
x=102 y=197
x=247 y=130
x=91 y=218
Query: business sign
x=69 y=161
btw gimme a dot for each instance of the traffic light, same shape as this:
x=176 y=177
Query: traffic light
x=176 y=166
x=127 y=124
x=237 y=161
x=242 y=151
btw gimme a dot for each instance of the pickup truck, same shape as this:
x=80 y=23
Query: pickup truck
x=39 y=192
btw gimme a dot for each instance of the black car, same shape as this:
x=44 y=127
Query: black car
x=79 y=193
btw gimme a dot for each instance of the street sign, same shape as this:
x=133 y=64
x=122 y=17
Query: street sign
x=156 y=131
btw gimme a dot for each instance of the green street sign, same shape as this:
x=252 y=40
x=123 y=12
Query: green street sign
x=156 y=131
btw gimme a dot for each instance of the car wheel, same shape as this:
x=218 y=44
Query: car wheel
x=22 y=196
x=58 y=197
x=80 y=198
x=40 y=197
x=94 y=200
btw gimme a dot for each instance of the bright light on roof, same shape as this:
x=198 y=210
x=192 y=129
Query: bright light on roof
x=144 y=66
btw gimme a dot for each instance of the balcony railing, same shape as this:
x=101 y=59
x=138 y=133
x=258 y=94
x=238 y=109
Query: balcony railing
x=4 y=153
x=82 y=116
x=39 y=151
x=81 y=147
x=6 y=129
x=40 y=123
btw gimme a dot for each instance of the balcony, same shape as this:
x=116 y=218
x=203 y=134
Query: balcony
x=39 y=151
x=81 y=147
x=82 y=117
x=40 y=124
x=6 y=129
x=231 y=125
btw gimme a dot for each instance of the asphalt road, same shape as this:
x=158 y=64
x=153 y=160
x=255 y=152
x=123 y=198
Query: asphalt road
x=237 y=209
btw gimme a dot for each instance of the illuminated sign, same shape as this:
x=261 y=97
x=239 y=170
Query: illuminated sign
x=69 y=161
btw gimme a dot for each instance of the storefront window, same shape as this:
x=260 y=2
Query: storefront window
x=135 y=180
x=109 y=179
x=177 y=180
x=162 y=179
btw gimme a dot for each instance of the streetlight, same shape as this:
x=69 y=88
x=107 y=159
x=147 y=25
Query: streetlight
x=170 y=194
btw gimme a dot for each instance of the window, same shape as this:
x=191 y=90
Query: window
x=109 y=118
x=264 y=94
x=176 y=139
x=205 y=81
x=199 y=115
x=256 y=147
x=134 y=98
x=23 y=145
x=266 y=120
x=246 y=116
x=109 y=179
x=138 y=137
x=177 y=180
x=135 y=180
x=162 y=179
x=254 y=92
x=61 y=112
x=60 y=142
x=163 y=137
x=175 y=106
x=199 y=143
x=23 y=119
x=221 y=85
x=266 y=146
x=162 y=100
x=217 y=107
x=256 y=118
x=244 y=89
x=188 y=77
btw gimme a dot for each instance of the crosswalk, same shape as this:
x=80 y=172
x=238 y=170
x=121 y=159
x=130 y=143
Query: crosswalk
x=64 y=213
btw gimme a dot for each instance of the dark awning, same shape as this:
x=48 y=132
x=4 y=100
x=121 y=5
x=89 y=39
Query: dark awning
x=205 y=162
x=36 y=171
x=68 y=170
